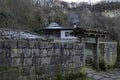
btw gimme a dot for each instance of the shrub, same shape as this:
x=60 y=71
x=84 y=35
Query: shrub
x=7 y=73
x=81 y=75
x=104 y=66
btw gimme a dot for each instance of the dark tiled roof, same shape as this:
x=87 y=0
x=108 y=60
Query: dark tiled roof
x=83 y=32
x=62 y=28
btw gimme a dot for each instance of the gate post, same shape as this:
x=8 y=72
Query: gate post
x=96 y=56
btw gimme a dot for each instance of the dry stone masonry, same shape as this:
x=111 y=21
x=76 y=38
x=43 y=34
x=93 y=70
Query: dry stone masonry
x=51 y=58
x=107 y=52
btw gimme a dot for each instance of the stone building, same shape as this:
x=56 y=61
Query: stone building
x=55 y=31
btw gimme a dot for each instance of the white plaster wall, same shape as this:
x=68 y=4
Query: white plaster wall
x=68 y=37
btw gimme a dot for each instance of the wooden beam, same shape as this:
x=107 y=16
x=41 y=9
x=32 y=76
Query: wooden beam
x=81 y=39
x=96 y=55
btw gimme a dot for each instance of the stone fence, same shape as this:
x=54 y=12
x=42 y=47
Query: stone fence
x=50 y=58
x=46 y=58
x=107 y=52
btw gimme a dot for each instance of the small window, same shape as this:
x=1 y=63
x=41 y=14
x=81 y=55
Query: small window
x=67 y=34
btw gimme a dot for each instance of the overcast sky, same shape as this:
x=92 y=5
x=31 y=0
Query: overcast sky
x=92 y=1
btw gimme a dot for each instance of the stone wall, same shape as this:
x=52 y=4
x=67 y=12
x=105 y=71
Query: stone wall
x=44 y=57
x=107 y=50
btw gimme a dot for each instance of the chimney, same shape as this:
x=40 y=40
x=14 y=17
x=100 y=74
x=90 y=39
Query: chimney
x=74 y=25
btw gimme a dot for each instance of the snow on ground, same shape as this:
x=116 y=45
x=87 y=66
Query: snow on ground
x=14 y=34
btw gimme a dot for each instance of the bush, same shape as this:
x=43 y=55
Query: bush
x=81 y=75
x=104 y=66
x=9 y=73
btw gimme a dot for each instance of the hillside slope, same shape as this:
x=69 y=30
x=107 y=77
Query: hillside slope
x=101 y=16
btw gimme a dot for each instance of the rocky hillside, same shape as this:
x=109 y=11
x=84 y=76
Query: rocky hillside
x=114 y=20
x=111 y=13
x=101 y=16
